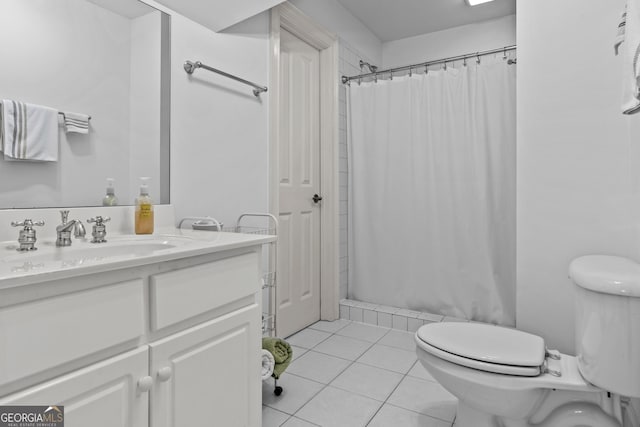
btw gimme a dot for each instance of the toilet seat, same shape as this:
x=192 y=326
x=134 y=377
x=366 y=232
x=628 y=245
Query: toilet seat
x=485 y=347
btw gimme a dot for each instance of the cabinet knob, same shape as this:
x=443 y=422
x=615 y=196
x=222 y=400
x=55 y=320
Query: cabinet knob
x=145 y=384
x=165 y=373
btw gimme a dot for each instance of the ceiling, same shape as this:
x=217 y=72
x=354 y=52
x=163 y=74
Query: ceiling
x=219 y=14
x=128 y=9
x=397 y=19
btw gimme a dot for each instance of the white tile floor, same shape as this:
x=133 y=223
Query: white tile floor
x=350 y=374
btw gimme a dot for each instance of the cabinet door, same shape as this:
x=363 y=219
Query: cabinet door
x=209 y=375
x=105 y=394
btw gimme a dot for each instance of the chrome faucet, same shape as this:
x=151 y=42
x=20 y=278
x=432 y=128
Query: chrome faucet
x=64 y=230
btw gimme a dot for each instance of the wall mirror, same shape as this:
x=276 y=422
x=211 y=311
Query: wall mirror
x=106 y=58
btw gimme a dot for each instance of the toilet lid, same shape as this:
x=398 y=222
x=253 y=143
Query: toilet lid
x=497 y=349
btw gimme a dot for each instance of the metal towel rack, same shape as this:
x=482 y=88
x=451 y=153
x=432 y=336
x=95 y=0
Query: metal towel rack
x=64 y=116
x=190 y=67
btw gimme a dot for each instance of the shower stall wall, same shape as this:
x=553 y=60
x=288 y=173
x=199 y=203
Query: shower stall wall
x=432 y=191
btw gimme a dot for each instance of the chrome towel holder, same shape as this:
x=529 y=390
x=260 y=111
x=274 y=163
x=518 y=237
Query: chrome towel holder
x=190 y=67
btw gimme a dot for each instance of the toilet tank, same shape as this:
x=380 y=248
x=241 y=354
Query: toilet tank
x=608 y=322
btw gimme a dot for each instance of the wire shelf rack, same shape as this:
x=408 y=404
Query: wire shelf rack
x=263 y=224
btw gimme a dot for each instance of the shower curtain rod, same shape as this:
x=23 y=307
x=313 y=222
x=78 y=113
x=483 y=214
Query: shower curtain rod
x=476 y=55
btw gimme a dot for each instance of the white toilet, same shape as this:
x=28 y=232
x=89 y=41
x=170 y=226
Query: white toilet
x=506 y=378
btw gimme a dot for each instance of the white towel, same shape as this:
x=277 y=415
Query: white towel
x=29 y=132
x=268 y=363
x=629 y=37
x=76 y=122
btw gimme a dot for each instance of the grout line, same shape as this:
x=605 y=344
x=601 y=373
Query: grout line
x=342 y=358
x=324 y=385
x=329 y=332
x=433 y=380
x=424 y=415
x=391 y=394
x=387 y=399
x=302 y=419
x=320 y=391
x=307 y=401
x=419 y=379
x=315 y=345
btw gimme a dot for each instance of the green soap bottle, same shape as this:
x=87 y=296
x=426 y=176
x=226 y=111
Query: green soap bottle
x=110 y=199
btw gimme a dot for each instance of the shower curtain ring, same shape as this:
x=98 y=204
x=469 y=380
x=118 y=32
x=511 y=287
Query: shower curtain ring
x=478 y=57
x=464 y=61
x=444 y=67
x=390 y=75
x=410 y=71
x=359 y=80
x=426 y=68
x=504 y=54
x=375 y=77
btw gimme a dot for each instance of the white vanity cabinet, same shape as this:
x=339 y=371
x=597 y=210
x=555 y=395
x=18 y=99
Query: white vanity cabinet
x=206 y=375
x=105 y=394
x=164 y=344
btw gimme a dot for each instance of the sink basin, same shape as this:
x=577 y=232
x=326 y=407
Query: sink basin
x=83 y=252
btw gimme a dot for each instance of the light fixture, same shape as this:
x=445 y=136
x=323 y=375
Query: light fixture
x=477 y=2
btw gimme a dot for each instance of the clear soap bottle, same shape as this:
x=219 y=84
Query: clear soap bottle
x=144 y=209
x=110 y=199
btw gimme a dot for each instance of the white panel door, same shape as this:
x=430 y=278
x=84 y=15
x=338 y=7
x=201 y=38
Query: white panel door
x=105 y=394
x=298 y=293
x=209 y=375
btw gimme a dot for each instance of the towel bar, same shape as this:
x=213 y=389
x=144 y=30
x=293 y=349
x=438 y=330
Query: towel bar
x=190 y=67
x=64 y=116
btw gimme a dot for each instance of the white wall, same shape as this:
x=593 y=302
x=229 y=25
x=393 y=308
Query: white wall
x=219 y=130
x=349 y=66
x=578 y=156
x=337 y=19
x=461 y=40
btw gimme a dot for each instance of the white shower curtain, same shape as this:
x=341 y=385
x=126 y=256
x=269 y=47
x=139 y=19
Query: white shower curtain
x=432 y=192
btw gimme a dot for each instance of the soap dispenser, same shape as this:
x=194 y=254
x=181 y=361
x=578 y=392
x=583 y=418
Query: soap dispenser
x=110 y=199
x=144 y=209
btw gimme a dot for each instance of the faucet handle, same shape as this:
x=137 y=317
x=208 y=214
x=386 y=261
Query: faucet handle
x=99 y=220
x=99 y=229
x=27 y=223
x=27 y=236
x=65 y=215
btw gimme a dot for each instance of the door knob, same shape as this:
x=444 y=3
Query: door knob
x=316 y=198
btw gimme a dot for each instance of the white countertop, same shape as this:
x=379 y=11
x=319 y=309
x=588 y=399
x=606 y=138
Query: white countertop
x=120 y=251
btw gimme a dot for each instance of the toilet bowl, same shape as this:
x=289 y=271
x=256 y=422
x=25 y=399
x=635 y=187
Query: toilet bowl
x=504 y=377
x=502 y=392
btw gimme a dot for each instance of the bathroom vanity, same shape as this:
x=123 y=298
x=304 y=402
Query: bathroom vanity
x=160 y=330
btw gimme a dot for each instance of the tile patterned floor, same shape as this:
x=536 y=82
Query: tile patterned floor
x=350 y=374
